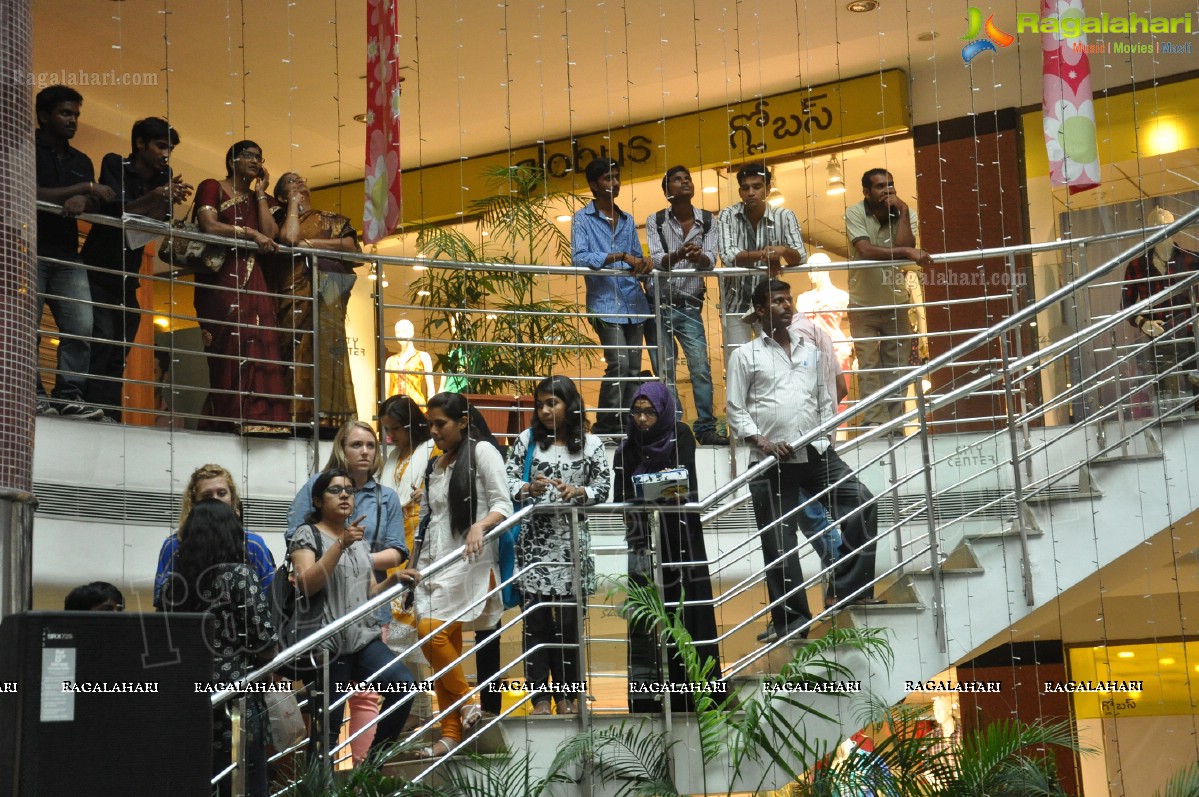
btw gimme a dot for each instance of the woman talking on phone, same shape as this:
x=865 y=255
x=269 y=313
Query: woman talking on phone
x=329 y=554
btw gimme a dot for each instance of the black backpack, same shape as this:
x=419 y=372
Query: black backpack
x=297 y=615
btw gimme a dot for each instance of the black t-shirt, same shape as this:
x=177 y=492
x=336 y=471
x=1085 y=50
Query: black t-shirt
x=105 y=246
x=58 y=235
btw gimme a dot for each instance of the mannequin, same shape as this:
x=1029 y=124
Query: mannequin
x=826 y=305
x=409 y=371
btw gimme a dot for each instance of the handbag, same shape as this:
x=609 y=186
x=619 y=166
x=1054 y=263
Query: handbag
x=296 y=615
x=285 y=721
x=187 y=255
x=506 y=545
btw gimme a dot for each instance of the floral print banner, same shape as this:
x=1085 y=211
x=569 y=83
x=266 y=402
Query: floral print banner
x=1066 y=101
x=382 y=121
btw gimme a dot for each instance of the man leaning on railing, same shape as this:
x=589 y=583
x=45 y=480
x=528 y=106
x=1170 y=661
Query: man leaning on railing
x=777 y=391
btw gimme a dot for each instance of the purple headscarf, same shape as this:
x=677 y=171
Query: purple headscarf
x=653 y=449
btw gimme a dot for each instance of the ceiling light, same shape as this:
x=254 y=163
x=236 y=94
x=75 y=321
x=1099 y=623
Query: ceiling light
x=710 y=189
x=162 y=322
x=420 y=268
x=1166 y=662
x=862 y=6
x=1125 y=654
x=422 y=293
x=835 y=180
x=775 y=198
x=563 y=218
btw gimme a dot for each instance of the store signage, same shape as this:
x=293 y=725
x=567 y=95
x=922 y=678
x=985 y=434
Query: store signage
x=827 y=116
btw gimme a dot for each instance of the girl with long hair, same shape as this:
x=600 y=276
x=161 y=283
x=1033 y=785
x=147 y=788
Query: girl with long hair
x=211 y=576
x=344 y=571
x=566 y=466
x=212 y=482
x=237 y=316
x=466 y=496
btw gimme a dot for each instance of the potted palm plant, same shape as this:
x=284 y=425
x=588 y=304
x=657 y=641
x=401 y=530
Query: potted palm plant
x=502 y=325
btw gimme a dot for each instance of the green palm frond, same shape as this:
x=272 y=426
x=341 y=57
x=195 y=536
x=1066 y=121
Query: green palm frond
x=488 y=313
x=1184 y=783
x=994 y=760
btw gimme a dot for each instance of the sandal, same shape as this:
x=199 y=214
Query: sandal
x=470 y=714
x=442 y=747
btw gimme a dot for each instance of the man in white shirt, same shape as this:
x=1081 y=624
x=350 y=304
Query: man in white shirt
x=777 y=391
x=881 y=227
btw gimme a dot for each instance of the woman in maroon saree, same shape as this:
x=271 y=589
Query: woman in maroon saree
x=237 y=319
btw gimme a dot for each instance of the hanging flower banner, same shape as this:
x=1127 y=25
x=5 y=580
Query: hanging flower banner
x=382 y=121
x=1069 y=113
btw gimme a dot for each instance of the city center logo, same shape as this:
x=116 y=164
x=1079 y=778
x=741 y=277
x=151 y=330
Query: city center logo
x=974 y=26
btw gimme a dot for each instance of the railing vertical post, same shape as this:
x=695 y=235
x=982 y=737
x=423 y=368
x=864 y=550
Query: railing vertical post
x=1121 y=421
x=1022 y=393
x=655 y=521
x=380 y=337
x=314 y=281
x=934 y=544
x=895 y=510
x=584 y=659
x=1017 y=479
x=237 y=720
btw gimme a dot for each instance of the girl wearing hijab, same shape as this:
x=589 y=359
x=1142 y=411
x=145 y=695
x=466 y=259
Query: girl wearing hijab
x=655 y=442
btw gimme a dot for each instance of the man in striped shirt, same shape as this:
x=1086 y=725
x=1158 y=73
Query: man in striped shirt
x=683 y=237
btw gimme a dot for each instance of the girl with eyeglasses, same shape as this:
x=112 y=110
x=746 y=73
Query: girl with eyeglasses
x=237 y=317
x=655 y=442
x=344 y=571
x=355 y=451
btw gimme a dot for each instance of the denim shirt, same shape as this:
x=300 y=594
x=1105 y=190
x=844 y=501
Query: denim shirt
x=591 y=241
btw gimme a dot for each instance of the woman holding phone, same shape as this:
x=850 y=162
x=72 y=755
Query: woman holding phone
x=356 y=451
x=329 y=553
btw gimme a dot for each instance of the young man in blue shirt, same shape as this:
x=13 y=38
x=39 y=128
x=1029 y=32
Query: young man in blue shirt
x=604 y=237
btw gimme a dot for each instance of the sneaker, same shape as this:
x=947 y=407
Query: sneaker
x=44 y=407
x=70 y=408
x=769 y=635
x=712 y=438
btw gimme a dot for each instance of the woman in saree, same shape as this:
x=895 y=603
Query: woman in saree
x=301 y=225
x=237 y=318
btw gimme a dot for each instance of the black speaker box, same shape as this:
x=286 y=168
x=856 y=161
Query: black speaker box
x=104 y=703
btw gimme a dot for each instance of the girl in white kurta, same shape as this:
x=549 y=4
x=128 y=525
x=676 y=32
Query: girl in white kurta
x=466 y=495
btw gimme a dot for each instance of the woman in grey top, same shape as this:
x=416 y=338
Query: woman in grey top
x=343 y=572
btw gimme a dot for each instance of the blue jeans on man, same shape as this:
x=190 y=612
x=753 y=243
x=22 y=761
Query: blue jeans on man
x=65 y=288
x=682 y=324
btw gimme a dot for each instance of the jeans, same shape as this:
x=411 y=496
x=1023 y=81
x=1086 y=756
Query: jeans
x=623 y=365
x=118 y=328
x=65 y=288
x=880 y=360
x=783 y=488
x=683 y=325
x=356 y=667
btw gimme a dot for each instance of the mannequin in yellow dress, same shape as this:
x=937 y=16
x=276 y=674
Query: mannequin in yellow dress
x=409 y=371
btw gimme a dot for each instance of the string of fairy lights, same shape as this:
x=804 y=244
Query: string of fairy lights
x=739 y=23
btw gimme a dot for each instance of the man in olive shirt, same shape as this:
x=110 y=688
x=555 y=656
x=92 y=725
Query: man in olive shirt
x=881 y=227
